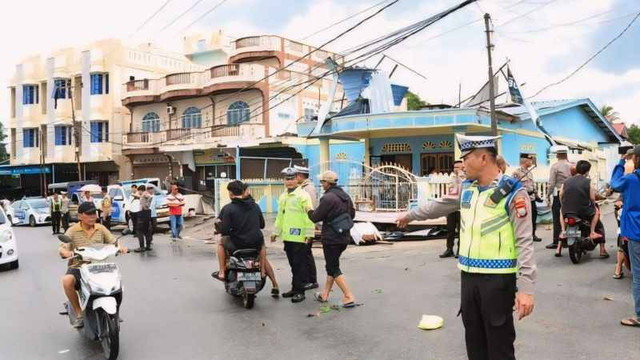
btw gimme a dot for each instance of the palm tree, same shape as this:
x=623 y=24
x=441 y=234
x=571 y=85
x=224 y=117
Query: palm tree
x=609 y=114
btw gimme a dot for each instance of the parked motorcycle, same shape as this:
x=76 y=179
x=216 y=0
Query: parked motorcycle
x=577 y=237
x=100 y=296
x=243 y=277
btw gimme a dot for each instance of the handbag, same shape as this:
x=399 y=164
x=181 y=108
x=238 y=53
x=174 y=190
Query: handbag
x=342 y=223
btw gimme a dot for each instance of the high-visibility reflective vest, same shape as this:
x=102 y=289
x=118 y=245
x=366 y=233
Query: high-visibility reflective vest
x=292 y=223
x=487 y=237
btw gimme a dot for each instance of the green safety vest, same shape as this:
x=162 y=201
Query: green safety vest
x=293 y=223
x=487 y=238
x=56 y=205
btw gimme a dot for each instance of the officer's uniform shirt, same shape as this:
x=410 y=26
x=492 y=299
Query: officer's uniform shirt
x=527 y=182
x=523 y=229
x=559 y=173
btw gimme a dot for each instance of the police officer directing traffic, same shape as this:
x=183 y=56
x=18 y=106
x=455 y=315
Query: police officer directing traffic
x=496 y=258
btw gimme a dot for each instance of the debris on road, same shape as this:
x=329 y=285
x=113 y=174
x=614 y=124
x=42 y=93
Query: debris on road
x=430 y=322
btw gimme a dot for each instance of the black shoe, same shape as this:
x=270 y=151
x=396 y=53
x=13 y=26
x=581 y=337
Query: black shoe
x=288 y=294
x=552 y=246
x=148 y=248
x=536 y=239
x=311 y=286
x=299 y=297
x=447 y=253
x=139 y=250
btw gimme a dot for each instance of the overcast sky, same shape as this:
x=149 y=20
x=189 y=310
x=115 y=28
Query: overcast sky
x=545 y=39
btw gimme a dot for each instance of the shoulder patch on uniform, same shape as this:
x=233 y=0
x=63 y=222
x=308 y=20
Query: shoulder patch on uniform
x=520 y=206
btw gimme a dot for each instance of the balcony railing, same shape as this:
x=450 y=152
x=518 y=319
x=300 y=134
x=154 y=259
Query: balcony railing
x=138 y=85
x=181 y=78
x=179 y=134
x=193 y=135
x=225 y=70
x=248 y=41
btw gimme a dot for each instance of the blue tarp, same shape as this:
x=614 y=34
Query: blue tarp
x=354 y=81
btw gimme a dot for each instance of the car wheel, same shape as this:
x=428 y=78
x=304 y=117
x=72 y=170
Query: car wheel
x=32 y=221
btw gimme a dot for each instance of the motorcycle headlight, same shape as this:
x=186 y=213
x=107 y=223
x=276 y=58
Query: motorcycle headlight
x=5 y=236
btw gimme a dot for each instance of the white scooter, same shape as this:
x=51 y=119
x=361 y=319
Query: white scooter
x=100 y=296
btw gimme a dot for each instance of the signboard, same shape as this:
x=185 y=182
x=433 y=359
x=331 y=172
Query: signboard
x=214 y=156
x=25 y=170
x=150 y=159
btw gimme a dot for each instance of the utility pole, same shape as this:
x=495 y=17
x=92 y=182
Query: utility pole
x=492 y=99
x=76 y=134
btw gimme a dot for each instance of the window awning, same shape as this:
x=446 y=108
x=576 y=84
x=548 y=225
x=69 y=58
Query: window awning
x=24 y=169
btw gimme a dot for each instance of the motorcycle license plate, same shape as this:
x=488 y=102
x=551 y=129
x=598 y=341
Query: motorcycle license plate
x=572 y=232
x=248 y=276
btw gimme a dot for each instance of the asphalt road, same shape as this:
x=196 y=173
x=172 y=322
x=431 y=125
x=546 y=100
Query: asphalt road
x=172 y=308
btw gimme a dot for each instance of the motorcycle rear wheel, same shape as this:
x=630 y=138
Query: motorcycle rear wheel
x=575 y=253
x=248 y=300
x=110 y=337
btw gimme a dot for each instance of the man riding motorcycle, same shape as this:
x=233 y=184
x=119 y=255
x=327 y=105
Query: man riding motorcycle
x=578 y=198
x=84 y=233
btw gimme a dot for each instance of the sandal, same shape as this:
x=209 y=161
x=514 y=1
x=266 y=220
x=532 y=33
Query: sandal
x=319 y=298
x=275 y=293
x=618 y=276
x=558 y=255
x=604 y=255
x=633 y=322
x=216 y=275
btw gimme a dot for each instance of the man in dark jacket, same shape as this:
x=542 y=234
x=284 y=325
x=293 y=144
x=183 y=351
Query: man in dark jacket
x=240 y=223
x=334 y=203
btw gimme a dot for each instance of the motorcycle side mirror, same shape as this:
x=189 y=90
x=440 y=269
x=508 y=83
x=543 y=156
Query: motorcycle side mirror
x=64 y=238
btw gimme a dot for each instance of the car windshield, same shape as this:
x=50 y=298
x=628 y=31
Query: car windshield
x=38 y=203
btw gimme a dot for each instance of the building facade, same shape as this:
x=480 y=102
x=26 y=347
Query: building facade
x=237 y=117
x=48 y=91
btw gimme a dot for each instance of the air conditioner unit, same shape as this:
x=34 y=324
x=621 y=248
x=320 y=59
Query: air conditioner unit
x=171 y=110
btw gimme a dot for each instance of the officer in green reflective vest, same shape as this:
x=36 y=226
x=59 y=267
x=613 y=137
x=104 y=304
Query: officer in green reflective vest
x=294 y=227
x=496 y=258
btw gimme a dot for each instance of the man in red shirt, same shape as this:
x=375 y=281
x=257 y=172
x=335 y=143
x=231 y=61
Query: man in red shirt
x=175 y=201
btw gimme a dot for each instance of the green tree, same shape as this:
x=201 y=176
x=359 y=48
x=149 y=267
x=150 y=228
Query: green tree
x=609 y=114
x=634 y=134
x=414 y=102
x=3 y=147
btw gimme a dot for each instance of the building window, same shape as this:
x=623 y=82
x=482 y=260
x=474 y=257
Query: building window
x=237 y=113
x=99 y=131
x=30 y=94
x=30 y=138
x=202 y=45
x=99 y=83
x=62 y=135
x=151 y=122
x=191 y=118
x=61 y=89
x=309 y=114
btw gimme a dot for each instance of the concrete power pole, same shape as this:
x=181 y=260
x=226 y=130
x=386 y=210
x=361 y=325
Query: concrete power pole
x=492 y=95
x=76 y=133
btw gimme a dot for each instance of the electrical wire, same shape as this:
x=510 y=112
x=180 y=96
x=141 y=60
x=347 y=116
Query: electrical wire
x=144 y=23
x=180 y=16
x=589 y=59
x=204 y=15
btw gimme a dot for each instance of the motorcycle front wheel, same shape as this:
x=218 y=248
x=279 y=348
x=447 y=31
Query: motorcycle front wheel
x=248 y=300
x=110 y=335
x=575 y=252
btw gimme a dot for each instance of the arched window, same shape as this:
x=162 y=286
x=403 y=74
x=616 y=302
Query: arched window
x=237 y=113
x=151 y=122
x=191 y=118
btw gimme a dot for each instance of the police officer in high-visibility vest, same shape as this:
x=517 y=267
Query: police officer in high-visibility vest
x=496 y=258
x=294 y=227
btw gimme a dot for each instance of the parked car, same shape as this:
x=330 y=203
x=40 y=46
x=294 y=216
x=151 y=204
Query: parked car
x=8 y=211
x=31 y=211
x=121 y=203
x=72 y=189
x=8 y=246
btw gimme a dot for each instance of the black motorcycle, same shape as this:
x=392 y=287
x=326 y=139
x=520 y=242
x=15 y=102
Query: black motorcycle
x=243 y=277
x=577 y=237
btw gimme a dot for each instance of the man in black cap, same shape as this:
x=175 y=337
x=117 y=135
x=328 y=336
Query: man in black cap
x=84 y=233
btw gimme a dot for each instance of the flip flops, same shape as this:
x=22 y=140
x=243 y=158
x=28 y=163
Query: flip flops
x=618 y=276
x=216 y=275
x=349 y=305
x=632 y=322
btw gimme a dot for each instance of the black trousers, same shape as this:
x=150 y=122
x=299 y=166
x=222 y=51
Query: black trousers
x=555 y=211
x=143 y=228
x=534 y=216
x=106 y=221
x=55 y=221
x=297 y=256
x=312 y=273
x=453 y=226
x=332 y=254
x=134 y=220
x=65 y=221
x=487 y=313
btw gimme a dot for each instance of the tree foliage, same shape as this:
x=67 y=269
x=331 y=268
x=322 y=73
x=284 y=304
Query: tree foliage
x=414 y=102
